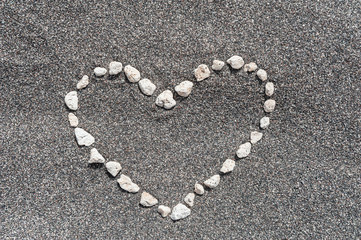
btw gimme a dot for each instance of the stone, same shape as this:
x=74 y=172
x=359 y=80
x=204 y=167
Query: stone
x=147 y=200
x=95 y=156
x=126 y=184
x=189 y=199
x=244 y=150
x=236 y=62
x=198 y=189
x=132 y=74
x=228 y=166
x=71 y=100
x=180 y=211
x=269 y=105
x=213 y=181
x=264 y=122
x=262 y=74
x=83 y=137
x=269 y=89
x=184 y=88
x=202 y=72
x=99 y=71
x=146 y=87
x=73 y=120
x=250 y=67
x=113 y=168
x=164 y=210
x=165 y=100
x=256 y=136
x=115 y=68
x=83 y=82
x=217 y=65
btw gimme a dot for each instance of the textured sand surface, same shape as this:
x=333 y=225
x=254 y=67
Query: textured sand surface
x=301 y=181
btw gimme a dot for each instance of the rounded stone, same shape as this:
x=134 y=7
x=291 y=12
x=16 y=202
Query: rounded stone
x=236 y=62
x=184 y=88
x=269 y=105
x=115 y=68
x=100 y=71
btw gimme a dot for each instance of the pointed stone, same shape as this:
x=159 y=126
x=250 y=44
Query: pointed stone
x=83 y=137
x=164 y=210
x=147 y=200
x=189 y=199
x=83 y=82
x=184 y=88
x=95 y=156
x=228 y=166
x=73 y=120
x=256 y=136
x=213 y=181
x=165 y=100
x=236 y=62
x=244 y=150
x=199 y=189
x=113 y=168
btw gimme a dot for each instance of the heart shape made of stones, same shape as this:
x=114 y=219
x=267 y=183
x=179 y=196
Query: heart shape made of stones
x=166 y=100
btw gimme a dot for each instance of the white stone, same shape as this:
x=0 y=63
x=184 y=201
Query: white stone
x=184 y=88
x=147 y=200
x=264 y=122
x=95 y=156
x=99 y=71
x=180 y=211
x=146 y=87
x=73 y=120
x=269 y=89
x=256 y=136
x=202 y=72
x=236 y=62
x=217 y=65
x=244 y=150
x=228 y=166
x=262 y=74
x=165 y=100
x=269 y=105
x=83 y=137
x=132 y=74
x=213 y=181
x=126 y=184
x=189 y=199
x=250 y=67
x=115 y=68
x=113 y=168
x=199 y=189
x=164 y=210
x=71 y=100
x=83 y=82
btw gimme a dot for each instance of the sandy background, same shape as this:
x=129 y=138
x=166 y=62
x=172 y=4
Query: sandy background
x=302 y=181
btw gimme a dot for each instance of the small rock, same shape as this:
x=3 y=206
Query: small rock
x=165 y=100
x=71 y=100
x=189 y=199
x=83 y=82
x=250 y=67
x=217 y=65
x=199 y=189
x=83 y=137
x=262 y=74
x=228 y=166
x=73 y=120
x=126 y=184
x=213 y=181
x=132 y=74
x=202 y=72
x=269 y=89
x=115 y=68
x=146 y=87
x=184 y=88
x=99 y=71
x=164 y=210
x=269 y=105
x=148 y=200
x=113 y=168
x=95 y=156
x=180 y=211
x=236 y=62
x=244 y=150
x=264 y=122
x=256 y=136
